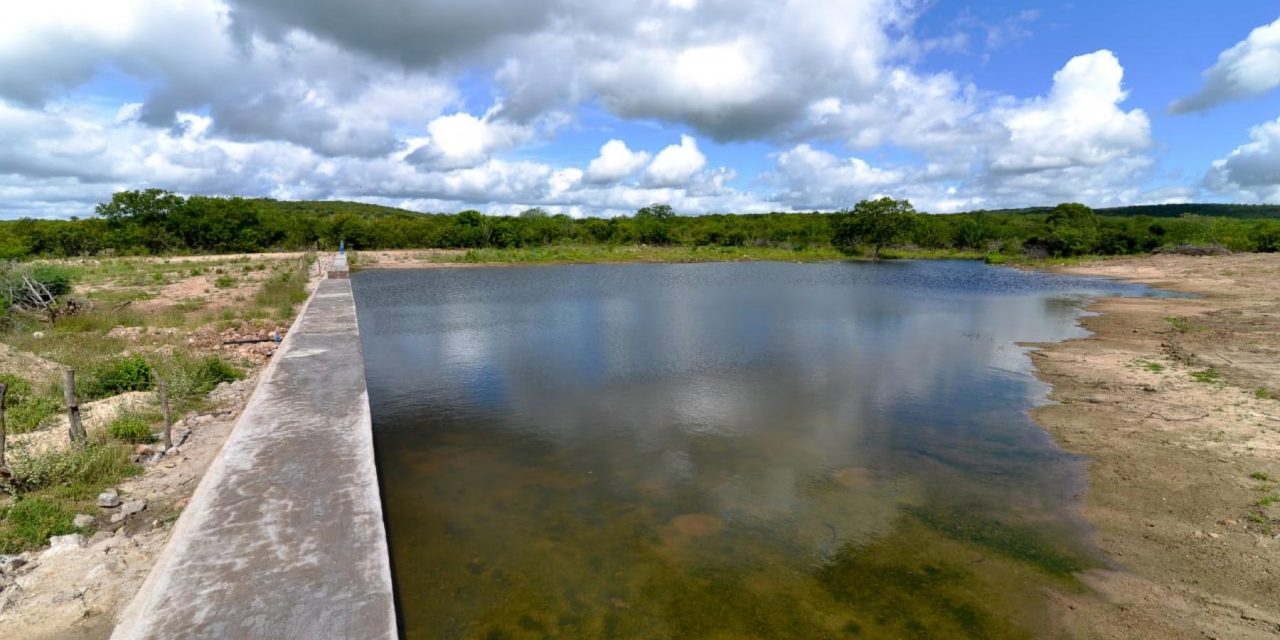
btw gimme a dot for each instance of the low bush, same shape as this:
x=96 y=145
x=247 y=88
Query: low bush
x=224 y=282
x=119 y=375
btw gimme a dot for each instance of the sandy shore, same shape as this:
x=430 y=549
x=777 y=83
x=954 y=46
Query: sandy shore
x=1174 y=403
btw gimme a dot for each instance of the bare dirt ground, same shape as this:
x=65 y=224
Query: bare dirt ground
x=1174 y=402
x=408 y=258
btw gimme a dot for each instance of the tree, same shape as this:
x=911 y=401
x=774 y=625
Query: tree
x=1073 y=229
x=878 y=223
x=654 y=224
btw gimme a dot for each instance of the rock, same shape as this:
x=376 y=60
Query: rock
x=133 y=506
x=37 y=334
x=143 y=450
x=117 y=518
x=99 y=536
x=63 y=544
x=83 y=521
x=109 y=499
x=10 y=564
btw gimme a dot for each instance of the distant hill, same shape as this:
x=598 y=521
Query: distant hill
x=1257 y=211
x=327 y=207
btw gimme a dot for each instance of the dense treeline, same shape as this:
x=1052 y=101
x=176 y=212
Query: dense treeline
x=155 y=221
x=1173 y=210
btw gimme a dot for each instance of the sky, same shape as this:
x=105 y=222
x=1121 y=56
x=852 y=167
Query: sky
x=599 y=108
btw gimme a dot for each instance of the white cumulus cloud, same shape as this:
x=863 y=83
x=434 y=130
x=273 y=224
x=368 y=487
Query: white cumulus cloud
x=1246 y=70
x=677 y=164
x=615 y=162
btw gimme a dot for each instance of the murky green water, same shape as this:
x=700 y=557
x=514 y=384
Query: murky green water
x=721 y=450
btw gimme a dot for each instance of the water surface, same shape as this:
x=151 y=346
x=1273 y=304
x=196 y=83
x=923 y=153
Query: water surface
x=764 y=450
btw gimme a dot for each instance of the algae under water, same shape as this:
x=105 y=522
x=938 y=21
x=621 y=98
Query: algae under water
x=763 y=450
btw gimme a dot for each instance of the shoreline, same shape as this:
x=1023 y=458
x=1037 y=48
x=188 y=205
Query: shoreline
x=1166 y=400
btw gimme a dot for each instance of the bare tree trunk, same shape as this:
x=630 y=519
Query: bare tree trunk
x=164 y=407
x=76 y=427
x=4 y=389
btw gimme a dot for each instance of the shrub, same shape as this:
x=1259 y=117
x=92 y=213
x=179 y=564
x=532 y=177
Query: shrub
x=224 y=282
x=128 y=373
x=30 y=522
x=131 y=427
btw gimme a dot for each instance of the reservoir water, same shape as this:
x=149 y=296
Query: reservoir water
x=746 y=450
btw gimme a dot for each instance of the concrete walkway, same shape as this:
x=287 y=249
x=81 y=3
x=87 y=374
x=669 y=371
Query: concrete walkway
x=284 y=536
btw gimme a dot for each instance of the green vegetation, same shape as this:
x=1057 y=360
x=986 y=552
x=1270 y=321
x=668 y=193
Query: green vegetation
x=52 y=486
x=1263 y=393
x=224 y=282
x=278 y=294
x=1261 y=476
x=30 y=522
x=131 y=427
x=1180 y=324
x=1153 y=367
x=119 y=375
x=1207 y=375
x=158 y=222
x=24 y=408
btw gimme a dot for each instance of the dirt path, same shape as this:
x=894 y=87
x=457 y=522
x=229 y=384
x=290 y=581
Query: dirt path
x=1174 y=403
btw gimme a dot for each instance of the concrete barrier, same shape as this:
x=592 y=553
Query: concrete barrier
x=284 y=536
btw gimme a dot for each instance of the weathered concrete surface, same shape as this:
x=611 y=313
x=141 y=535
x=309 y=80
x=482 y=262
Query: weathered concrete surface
x=284 y=536
x=338 y=268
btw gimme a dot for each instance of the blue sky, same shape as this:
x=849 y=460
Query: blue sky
x=598 y=109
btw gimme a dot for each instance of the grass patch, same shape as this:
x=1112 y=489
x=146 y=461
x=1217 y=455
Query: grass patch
x=1267 y=501
x=1180 y=324
x=1262 y=393
x=72 y=473
x=1207 y=375
x=1153 y=367
x=119 y=375
x=29 y=522
x=224 y=282
x=131 y=427
x=1261 y=476
x=279 y=294
x=24 y=408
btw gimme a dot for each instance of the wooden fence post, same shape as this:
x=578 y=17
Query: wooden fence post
x=4 y=389
x=76 y=428
x=164 y=407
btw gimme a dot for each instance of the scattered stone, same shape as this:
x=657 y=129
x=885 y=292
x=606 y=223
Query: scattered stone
x=10 y=564
x=99 y=536
x=37 y=334
x=83 y=521
x=133 y=506
x=109 y=499
x=117 y=518
x=63 y=544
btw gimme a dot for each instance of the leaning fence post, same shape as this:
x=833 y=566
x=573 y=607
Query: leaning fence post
x=4 y=389
x=164 y=408
x=73 y=408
